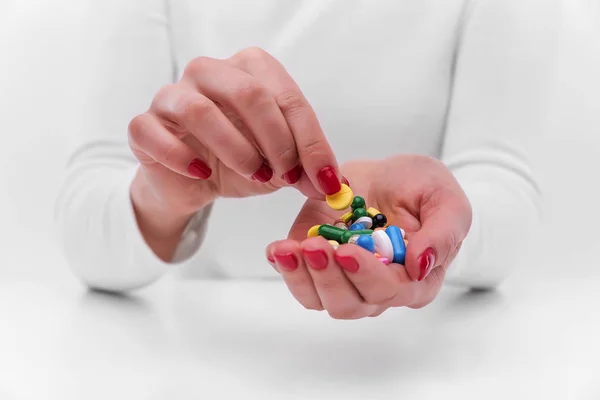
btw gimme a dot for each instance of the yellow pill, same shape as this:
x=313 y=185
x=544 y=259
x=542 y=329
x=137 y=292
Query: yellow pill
x=371 y=212
x=314 y=231
x=342 y=199
x=347 y=217
x=333 y=243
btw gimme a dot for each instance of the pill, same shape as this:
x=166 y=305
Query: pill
x=353 y=239
x=347 y=217
x=405 y=242
x=358 y=213
x=377 y=255
x=383 y=244
x=367 y=222
x=366 y=242
x=357 y=202
x=379 y=220
x=314 y=231
x=334 y=243
x=399 y=247
x=384 y=260
x=371 y=212
x=356 y=227
x=338 y=223
x=340 y=200
x=331 y=233
x=347 y=234
x=402 y=232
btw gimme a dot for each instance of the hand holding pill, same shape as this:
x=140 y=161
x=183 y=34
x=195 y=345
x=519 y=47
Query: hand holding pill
x=233 y=127
x=403 y=227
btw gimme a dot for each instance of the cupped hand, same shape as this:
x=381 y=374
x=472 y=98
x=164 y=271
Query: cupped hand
x=416 y=193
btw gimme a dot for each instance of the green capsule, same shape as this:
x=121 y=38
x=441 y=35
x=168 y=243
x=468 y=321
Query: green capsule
x=357 y=202
x=331 y=233
x=348 y=234
x=358 y=213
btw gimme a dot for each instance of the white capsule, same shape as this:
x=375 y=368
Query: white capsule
x=383 y=244
x=403 y=233
x=367 y=222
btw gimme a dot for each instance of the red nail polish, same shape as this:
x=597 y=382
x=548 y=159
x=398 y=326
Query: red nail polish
x=293 y=175
x=271 y=259
x=329 y=181
x=426 y=262
x=287 y=261
x=263 y=174
x=199 y=169
x=347 y=262
x=316 y=259
x=345 y=181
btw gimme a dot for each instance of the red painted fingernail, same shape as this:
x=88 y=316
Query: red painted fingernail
x=426 y=262
x=199 y=169
x=293 y=175
x=316 y=259
x=287 y=260
x=271 y=259
x=347 y=262
x=345 y=181
x=263 y=174
x=329 y=181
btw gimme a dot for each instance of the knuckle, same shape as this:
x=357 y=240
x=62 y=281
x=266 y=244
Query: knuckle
x=291 y=103
x=254 y=53
x=252 y=94
x=314 y=147
x=137 y=128
x=198 y=65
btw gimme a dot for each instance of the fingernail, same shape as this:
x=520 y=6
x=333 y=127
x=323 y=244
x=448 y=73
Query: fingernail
x=345 y=181
x=293 y=175
x=316 y=259
x=263 y=174
x=199 y=169
x=347 y=262
x=426 y=262
x=287 y=261
x=271 y=259
x=329 y=181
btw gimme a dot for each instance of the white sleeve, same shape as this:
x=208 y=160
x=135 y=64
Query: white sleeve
x=123 y=58
x=504 y=65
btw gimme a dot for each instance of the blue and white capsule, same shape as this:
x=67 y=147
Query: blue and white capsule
x=397 y=240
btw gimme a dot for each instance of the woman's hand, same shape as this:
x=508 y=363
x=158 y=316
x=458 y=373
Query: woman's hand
x=416 y=193
x=229 y=128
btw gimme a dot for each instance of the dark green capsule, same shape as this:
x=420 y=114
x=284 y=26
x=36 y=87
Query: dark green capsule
x=357 y=202
x=358 y=213
x=331 y=233
x=348 y=234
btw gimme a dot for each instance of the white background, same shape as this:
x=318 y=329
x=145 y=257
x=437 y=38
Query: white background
x=36 y=104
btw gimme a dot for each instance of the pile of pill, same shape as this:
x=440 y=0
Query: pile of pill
x=363 y=226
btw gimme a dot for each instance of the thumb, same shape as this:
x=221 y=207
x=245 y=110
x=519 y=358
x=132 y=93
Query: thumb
x=436 y=243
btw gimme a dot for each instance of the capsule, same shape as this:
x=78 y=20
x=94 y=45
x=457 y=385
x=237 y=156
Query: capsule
x=347 y=234
x=347 y=217
x=366 y=242
x=357 y=202
x=334 y=244
x=383 y=244
x=379 y=220
x=331 y=233
x=384 y=260
x=314 y=231
x=395 y=236
x=338 y=223
x=367 y=222
x=371 y=212
x=356 y=227
x=358 y=213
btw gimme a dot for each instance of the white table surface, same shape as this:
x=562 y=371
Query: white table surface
x=251 y=340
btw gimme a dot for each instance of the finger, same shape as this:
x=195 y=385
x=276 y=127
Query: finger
x=148 y=137
x=316 y=155
x=338 y=296
x=199 y=116
x=290 y=264
x=430 y=287
x=255 y=106
x=377 y=283
x=445 y=222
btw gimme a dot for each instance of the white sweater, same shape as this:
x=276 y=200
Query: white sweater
x=460 y=80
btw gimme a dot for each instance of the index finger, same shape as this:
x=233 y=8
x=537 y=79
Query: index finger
x=315 y=153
